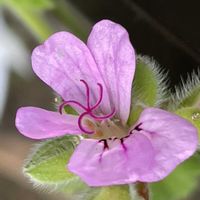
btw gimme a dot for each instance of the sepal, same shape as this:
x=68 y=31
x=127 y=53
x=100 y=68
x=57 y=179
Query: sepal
x=149 y=87
x=47 y=164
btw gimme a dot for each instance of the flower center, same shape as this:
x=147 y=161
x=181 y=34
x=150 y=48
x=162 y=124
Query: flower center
x=106 y=129
x=100 y=126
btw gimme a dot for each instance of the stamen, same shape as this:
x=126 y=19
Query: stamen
x=137 y=128
x=104 y=143
x=100 y=96
x=123 y=145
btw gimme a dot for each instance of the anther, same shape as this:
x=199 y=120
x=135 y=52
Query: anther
x=122 y=143
x=105 y=144
x=137 y=128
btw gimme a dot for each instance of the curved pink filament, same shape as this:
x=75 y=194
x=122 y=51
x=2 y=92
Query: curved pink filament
x=100 y=97
x=88 y=109
x=87 y=93
x=80 y=124
x=65 y=103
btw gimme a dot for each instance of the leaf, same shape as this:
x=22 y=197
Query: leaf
x=77 y=189
x=180 y=183
x=47 y=165
x=149 y=87
x=188 y=94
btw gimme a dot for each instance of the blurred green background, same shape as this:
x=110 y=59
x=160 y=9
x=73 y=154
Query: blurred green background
x=166 y=30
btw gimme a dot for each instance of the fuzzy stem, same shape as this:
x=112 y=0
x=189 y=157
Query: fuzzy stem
x=143 y=190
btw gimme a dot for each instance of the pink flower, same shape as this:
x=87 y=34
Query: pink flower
x=96 y=80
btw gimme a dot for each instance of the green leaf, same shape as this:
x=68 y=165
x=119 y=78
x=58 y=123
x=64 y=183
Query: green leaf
x=180 y=183
x=77 y=189
x=188 y=94
x=114 y=192
x=149 y=86
x=47 y=165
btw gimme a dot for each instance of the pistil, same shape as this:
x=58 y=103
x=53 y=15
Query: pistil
x=88 y=111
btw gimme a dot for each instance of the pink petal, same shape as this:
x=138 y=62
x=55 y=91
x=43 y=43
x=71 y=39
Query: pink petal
x=161 y=142
x=38 y=123
x=110 y=45
x=173 y=139
x=99 y=167
x=62 y=61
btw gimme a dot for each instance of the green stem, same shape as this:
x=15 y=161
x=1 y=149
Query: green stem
x=32 y=19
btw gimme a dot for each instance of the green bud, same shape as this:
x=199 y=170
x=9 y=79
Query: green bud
x=149 y=87
x=186 y=95
x=180 y=183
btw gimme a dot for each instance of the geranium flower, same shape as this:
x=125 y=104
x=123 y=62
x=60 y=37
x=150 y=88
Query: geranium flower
x=96 y=80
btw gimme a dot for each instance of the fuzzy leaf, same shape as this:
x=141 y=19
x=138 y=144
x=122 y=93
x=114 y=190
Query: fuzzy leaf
x=148 y=86
x=180 y=183
x=77 y=189
x=187 y=95
x=47 y=165
x=192 y=114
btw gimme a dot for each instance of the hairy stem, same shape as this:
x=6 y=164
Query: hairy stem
x=143 y=190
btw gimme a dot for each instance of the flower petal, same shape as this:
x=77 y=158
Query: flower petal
x=159 y=142
x=111 y=48
x=98 y=166
x=173 y=139
x=62 y=61
x=38 y=123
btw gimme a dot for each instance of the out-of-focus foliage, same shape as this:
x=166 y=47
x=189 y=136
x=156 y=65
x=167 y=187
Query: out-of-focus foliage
x=180 y=183
x=31 y=4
